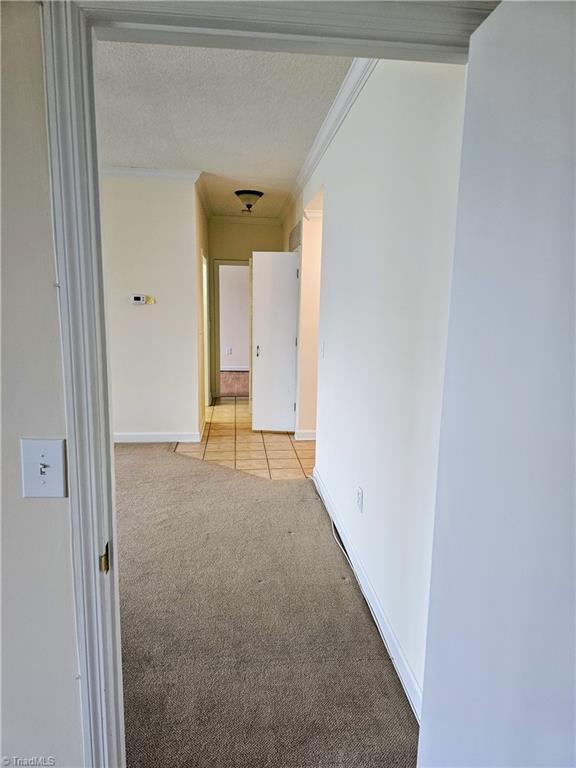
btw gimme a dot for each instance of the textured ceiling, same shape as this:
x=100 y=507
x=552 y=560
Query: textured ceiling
x=244 y=118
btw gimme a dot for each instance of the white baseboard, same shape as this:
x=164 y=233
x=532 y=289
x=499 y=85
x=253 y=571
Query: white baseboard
x=157 y=437
x=411 y=687
x=305 y=434
x=235 y=368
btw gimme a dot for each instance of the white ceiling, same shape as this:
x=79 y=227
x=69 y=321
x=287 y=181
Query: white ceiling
x=246 y=118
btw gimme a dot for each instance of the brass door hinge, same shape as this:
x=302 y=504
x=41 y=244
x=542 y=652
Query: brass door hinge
x=104 y=559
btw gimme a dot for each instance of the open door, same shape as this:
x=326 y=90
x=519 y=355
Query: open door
x=275 y=295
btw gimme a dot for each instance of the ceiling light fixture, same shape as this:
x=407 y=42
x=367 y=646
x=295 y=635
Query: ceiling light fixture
x=249 y=197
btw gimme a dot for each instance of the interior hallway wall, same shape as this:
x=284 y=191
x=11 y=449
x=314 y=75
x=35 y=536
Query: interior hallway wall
x=308 y=326
x=234 y=240
x=499 y=683
x=390 y=182
x=150 y=242
x=40 y=685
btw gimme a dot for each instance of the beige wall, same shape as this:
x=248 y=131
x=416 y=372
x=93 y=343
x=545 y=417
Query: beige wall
x=151 y=235
x=40 y=687
x=234 y=241
x=307 y=385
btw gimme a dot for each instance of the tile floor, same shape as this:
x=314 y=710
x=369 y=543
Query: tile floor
x=229 y=441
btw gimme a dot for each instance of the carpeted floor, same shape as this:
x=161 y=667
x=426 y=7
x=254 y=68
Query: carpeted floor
x=245 y=639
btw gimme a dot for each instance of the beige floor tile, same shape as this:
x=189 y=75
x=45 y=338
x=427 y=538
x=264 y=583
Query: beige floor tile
x=250 y=454
x=219 y=455
x=220 y=446
x=257 y=472
x=251 y=440
x=304 y=443
x=305 y=453
x=286 y=474
x=284 y=463
x=251 y=464
x=280 y=453
x=278 y=444
x=221 y=463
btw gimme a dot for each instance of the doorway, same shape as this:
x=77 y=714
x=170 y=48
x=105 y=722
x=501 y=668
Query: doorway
x=234 y=328
x=136 y=459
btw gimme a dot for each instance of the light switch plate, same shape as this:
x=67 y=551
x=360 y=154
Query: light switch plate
x=43 y=468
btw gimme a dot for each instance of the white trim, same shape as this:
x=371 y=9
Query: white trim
x=312 y=214
x=356 y=78
x=234 y=368
x=157 y=437
x=397 y=655
x=149 y=173
x=305 y=434
x=251 y=219
x=334 y=29
x=74 y=185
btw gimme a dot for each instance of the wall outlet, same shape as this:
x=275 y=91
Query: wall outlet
x=360 y=499
x=228 y=350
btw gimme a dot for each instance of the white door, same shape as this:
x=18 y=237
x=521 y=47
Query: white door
x=275 y=296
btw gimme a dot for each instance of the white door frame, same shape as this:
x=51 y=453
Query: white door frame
x=69 y=29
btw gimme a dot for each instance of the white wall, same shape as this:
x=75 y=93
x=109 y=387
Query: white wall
x=308 y=325
x=40 y=686
x=150 y=244
x=499 y=684
x=234 y=302
x=390 y=186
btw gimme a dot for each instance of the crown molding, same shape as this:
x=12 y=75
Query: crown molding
x=149 y=173
x=312 y=214
x=356 y=78
x=263 y=220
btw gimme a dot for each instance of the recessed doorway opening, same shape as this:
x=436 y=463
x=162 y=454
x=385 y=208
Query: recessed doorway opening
x=234 y=329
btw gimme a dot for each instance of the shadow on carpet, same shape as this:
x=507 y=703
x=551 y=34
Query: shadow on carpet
x=245 y=639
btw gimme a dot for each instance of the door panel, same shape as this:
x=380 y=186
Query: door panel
x=275 y=295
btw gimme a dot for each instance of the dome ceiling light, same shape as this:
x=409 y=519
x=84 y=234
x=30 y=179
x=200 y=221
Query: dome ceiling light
x=249 y=197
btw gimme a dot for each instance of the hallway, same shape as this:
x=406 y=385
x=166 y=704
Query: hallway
x=245 y=639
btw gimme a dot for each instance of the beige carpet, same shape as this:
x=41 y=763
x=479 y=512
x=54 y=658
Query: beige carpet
x=246 y=642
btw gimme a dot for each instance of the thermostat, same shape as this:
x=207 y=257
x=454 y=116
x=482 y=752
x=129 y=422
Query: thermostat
x=142 y=298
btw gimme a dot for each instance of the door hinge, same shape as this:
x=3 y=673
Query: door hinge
x=294 y=407
x=297 y=274
x=296 y=341
x=104 y=559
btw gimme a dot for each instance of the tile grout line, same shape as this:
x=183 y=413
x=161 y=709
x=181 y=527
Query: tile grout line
x=208 y=433
x=266 y=454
